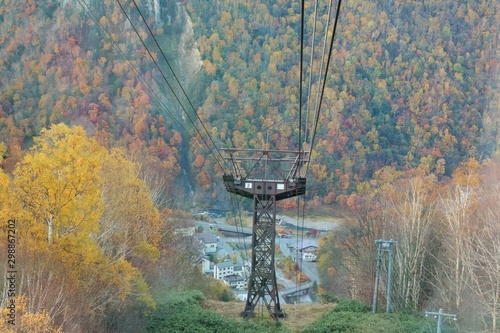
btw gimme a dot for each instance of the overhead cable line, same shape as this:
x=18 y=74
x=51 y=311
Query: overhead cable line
x=179 y=83
x=323 y=53
x=102 y=29
x=166 y=80
x=193 y=108
x=189 y=101
x=326 y=74
x=311 y=63
x=241 y=238
x=302 y=15
x=170 y=86
x=300 y=73
x=318 y=108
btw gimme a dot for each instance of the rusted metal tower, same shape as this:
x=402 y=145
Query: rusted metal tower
x=266 y=176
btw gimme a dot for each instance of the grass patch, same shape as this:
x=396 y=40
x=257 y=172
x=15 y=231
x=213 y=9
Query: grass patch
x=299 y=316
x=191 y=312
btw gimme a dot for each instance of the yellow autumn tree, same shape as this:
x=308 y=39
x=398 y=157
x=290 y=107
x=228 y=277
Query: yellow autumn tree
x=130 y=223
x=57 y=182
x=58 y=192
x=27 y=321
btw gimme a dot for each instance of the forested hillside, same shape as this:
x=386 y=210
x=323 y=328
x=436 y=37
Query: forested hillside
x=410 y=83
x=111 y=112
x=80 y=63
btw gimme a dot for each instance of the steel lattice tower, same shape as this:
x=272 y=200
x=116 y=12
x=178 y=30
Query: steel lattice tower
x=266 y=184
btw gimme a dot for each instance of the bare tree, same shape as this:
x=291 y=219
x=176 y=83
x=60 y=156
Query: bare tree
x=453 y=275
x=485 y=259
x=486 y=267
x=411 y=223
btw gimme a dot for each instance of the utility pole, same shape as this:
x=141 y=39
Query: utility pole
x=440 y=316
x=383 y=246
x=389 y=245
x=260 y=176
x=377 y=279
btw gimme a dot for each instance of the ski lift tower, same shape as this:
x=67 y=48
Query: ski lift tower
x=266 y=176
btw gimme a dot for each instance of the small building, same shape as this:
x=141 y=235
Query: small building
x=308 y=244
x=208 y=242
x=207 y=267
x=309 y=251
x=227 y=268
x=234 y=281
x=309 y=256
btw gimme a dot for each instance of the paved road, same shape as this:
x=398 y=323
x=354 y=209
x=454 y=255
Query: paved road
x=309 y=268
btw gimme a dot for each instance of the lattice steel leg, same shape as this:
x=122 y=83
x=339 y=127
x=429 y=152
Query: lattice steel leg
x=262 y=284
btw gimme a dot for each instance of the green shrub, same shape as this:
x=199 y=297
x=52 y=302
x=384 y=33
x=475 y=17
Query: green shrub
x=351 y=305
x=327 y=297
x=352 y=316
x=335 y=322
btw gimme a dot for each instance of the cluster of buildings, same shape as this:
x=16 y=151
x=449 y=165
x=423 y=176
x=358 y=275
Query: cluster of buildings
x=235 y=275
x=232 y=274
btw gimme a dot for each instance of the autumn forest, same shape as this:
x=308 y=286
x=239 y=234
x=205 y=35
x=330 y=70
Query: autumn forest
x=112 y=114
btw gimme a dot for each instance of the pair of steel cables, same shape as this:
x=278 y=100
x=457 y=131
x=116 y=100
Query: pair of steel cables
x=317 y=99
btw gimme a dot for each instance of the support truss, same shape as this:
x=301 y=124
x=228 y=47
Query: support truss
x=262 y=283
x=252 y=181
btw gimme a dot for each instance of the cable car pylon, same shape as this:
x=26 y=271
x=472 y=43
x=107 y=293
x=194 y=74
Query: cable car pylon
x=266 y=177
